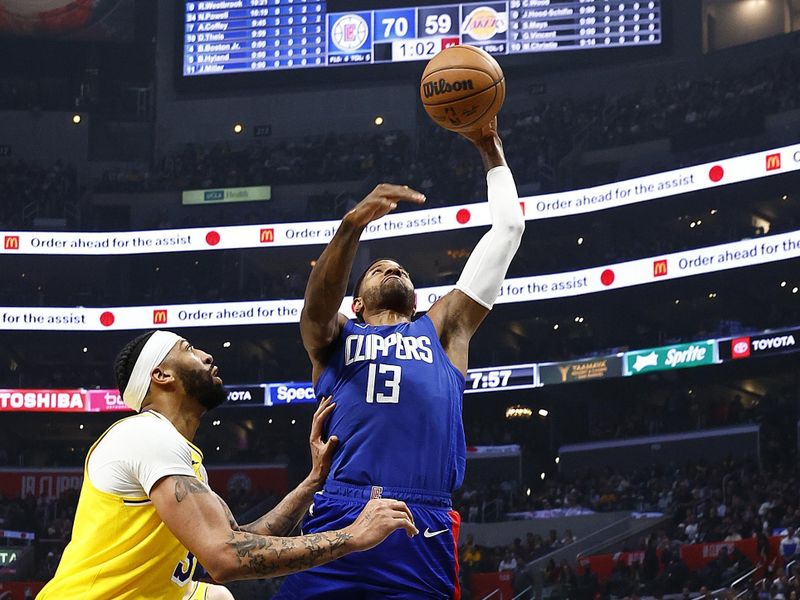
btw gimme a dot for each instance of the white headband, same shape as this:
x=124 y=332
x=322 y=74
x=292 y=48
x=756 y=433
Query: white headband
x=154 y=351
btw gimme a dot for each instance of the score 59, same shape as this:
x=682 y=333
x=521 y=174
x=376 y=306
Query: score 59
x=413 y=23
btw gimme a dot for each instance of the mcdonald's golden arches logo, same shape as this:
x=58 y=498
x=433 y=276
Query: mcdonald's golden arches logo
x=660 y=268
x=267 y=235
x=11 y=242
x=160 y=316
x=773 y=162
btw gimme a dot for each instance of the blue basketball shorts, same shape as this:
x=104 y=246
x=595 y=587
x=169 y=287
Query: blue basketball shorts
x=400 y=568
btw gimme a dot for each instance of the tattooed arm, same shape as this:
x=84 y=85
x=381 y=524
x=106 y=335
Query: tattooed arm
x=203 y=523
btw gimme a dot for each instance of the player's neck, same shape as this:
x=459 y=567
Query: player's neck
x=186 y=419
x=385 y=317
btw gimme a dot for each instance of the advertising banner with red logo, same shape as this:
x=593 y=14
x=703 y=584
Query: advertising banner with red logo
x=761 y=344
x=52 y=483
x=699 y=261
x=546 y=206
x=697 y=556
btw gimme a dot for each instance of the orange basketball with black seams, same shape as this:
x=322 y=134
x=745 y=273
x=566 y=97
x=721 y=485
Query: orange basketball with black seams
x=462 y=88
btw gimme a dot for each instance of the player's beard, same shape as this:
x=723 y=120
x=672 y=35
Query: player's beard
x=201 y=386
x=391 y=295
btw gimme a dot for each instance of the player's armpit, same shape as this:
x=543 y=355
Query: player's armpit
x=456 y=317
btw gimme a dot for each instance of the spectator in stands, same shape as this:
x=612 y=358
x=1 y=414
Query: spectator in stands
x=509 y=562
x=790 y=545
x=470 y=554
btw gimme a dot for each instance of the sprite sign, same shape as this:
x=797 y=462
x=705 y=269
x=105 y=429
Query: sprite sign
x=667 y=358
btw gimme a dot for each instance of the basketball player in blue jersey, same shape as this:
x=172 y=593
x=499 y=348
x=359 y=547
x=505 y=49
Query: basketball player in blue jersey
x=398 y=385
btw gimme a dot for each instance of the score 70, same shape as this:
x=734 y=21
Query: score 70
x=492 y=379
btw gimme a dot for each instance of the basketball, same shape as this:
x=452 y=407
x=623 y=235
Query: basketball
x=462 y=88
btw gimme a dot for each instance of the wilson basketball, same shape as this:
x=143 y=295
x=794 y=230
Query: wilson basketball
x=462 y=88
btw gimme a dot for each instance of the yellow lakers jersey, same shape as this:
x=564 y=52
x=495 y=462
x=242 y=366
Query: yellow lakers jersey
x=120 y=548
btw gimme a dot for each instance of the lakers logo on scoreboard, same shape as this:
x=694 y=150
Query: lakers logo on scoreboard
x=350 y=32
x=485 y=22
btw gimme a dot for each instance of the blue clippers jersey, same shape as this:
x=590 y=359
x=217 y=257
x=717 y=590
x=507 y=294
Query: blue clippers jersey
x=398 y=408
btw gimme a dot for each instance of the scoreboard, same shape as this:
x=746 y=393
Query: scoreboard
x=230 y=36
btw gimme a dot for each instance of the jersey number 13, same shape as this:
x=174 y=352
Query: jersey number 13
x=385 y=378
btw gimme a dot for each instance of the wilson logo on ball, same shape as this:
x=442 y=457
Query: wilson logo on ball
x=437 y=88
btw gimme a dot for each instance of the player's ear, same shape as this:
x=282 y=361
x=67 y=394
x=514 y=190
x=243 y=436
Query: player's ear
x=162 y=375
x=358 y=305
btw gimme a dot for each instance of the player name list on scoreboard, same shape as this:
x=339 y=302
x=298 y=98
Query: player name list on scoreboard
x=226 y=36
x=548 y=25
x=253 y=35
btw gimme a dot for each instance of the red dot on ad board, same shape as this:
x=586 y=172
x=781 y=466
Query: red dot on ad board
x=716 y=173
x=607 y=277
x=107 y=319
x=212 y=238
x=463 y=216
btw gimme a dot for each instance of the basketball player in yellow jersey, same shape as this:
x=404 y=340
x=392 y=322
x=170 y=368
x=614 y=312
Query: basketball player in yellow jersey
x=146 y=515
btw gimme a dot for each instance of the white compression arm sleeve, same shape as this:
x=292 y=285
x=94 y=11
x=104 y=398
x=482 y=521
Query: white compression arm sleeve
x=486 y=268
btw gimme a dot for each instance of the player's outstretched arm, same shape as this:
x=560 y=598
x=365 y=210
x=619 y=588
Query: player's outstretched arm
x=200 y=520
x=458 y=314
x=282 y=519
x=320 y=320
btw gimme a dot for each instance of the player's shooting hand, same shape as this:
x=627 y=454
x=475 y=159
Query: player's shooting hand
x=321 y=451
x=485 y=135
x=381 y=201
x=380 y=517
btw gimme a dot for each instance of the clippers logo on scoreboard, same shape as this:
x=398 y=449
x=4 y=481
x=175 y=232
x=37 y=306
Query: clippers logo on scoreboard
x=740 y=347
x=160 y=316
x=773 y=162
x=267 y=235
x=350 y=32
x=485 y=23
x=11 y=242
x=660 y=268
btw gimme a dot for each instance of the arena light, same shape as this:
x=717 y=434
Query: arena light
x=558 y=459
x=543 y=412
x=270 y=421
x=580 y=241
x=794 y=290
x=783 y=284
x=378 y=121
x=226 y=344
x=542 y=476
x=518 y=412
x=555 y=327
x=238 y=128
x=76 y=119
x=294 y=421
